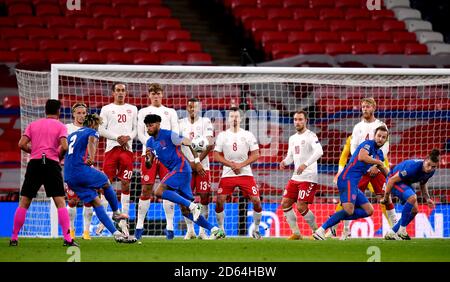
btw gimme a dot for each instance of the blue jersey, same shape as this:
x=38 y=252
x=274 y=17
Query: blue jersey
x=355 y=169
x=410 y=171
x=75 y=156
x=167 y=148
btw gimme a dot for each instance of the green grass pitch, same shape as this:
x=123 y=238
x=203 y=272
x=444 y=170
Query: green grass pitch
x=229 y=250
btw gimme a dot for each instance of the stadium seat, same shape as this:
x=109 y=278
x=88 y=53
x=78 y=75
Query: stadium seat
x=58 y=57
x=168 y=24
x=269 y=37
x=178 y=35
x=281 y=50
x=140 y=24
x=16 y=45
x=92 y=3
x=40 y=33
x=99 y=34
x=8 y=56
x=338 y=48
x=315 y=25
x=167 y=47
x=45 y=10
x=89 y=57
x=145 y=58
x=104 y=12
x=326 y=36
x=345 y=4
x=19 y=9
x=240 y=4
x=109 y=45
x=342 y=25
x=357 y=14
x=294 y=4
x=301 y=14
x=199 y=58
x=133 y=13
x=11 y=102
x=393 y=25
x=331 y=14
x=262 y=25
x=153 y=35
x=52 y=45
x=86 y=23
x=364 y=48
x=27 y=22
x=404 y=37
x=269 y=3
x=8 y=22
x=135 y=46
x=314 y=4
x=172 y=59
x=245 y=16
x=382 y=14
x=429 y=37
x=300 y=36
x=290 y=25
x=59 y=22
x=189 y=47
x=352 y=36
x=159 y=12
x=119 y=58
x=116 y=3
x=415 y=49
x=368 y=25
x=13 y=33
x=81 y=45
x=32 y=57
x=281 y=13
x=116 y=24
x=311 y=48
x=390 y=48
x=378 y=37
x=126 y=34
x=4 y=46
x=149 y=2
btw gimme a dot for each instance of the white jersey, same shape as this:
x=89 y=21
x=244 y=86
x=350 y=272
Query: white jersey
x=201 y=127
x=366 y=131
x=304 y=149
x=235 y=147
x=71 y=127
x=118 y=120
x=169 y=121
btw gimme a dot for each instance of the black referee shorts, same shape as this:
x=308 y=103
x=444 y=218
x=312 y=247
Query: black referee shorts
x=38 y=174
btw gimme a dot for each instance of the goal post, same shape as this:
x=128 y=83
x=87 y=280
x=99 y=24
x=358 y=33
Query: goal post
x=414 y=103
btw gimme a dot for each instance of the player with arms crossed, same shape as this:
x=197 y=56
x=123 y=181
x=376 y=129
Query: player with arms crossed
x=373 y=179
x=46 y=141
x=79 y=111
x=399 y=183
x=192 y=127
x=119 y=127
x=176 y=185
x=169 y=121
x=354 y=202
x=85 y=180
x=304 y=150
x=232 y=150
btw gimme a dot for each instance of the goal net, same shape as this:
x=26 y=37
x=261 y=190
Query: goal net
x=414 y=103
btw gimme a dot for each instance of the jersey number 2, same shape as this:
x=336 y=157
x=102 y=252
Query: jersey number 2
x=71 y=144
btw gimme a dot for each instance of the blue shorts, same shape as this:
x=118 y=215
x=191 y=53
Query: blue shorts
x=403 y=192
x=180 y=182
x=349 y=192
x=85 y=182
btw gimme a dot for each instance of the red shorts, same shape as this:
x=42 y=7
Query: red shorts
x=377 y=183
x=118 y=162
x=300 y=191
x=247 y=184
x=149 y=174
x=201 y=184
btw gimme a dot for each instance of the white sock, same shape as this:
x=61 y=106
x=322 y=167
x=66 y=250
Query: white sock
x=392 y=216
x=189 y=225
x=104 y=203
x=143 y=207
x=257 y=219
x=125 y=201
x=311 y=220
x=347 y=225
x=72 y=216
x=402 y=229
x=205 y=213
x=87 y=217
x=220 y=219
x=291 y=219
x=169 y=211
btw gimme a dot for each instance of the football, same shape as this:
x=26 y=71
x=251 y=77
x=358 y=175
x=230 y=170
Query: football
x=199 y=143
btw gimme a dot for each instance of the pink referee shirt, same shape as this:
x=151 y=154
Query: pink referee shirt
x=45 y=134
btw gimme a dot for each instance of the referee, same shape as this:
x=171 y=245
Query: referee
x=46 y=141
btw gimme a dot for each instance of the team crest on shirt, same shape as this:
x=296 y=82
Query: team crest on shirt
x=303 y=142
x=146 y=177
x=166 y=113
x=162 y=143
x=403 y=173
x=354 y=197
x=128 y=111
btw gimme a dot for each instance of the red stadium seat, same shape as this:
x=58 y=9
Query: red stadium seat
x=364 y=48
x=178 y=35
x=4 y=46
x=149 y=2
x=296 y=3
x=262 y=25
x=188 y=47
x=353 y=36
x=116 y=3
x=302 y=14
x=52 y=45
x=8 y=56
x=300 y=36
x=315 y=25
x=168 y=47
x=145 y=58
x=393 y=25
x=199 y=59
x=382 y=14
x=357 y=14
x=93 y=3
x=25 y=22
x=290 y=25
x=331 y=14
x=13 y=33
x=269 y=37
x=109 y=45
x=239 y=4
x=281 y=50
x=368 y=25
x=342 y=25
x=58 y=57
x=338 y=48
x=269 y=3
x=133 y=13
x=89 y=57
x=153 y=35
x=172 y=59
x=32 y=57
x=247 y=15
x=311 y=48
x=378 y=37
x=345 y=4
x=59 y=22
x=159 y=12
x=40 y=33
x=45 y=10
x=19 y=9
x=11 y=102
x=135 y=46
x=116 y=24
x=404 y=37
x=326 y=36
x=22 y=45
x=125 y=34
x=7 y=22
x=168 y=24
x=321 y=4
x=415 y=49
x=139 y=24
x=86 y=23
x=81 y=45
x=119 y=58
x=390 y=48
x=104 y=12
x=281 y=13
x=99 y=34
